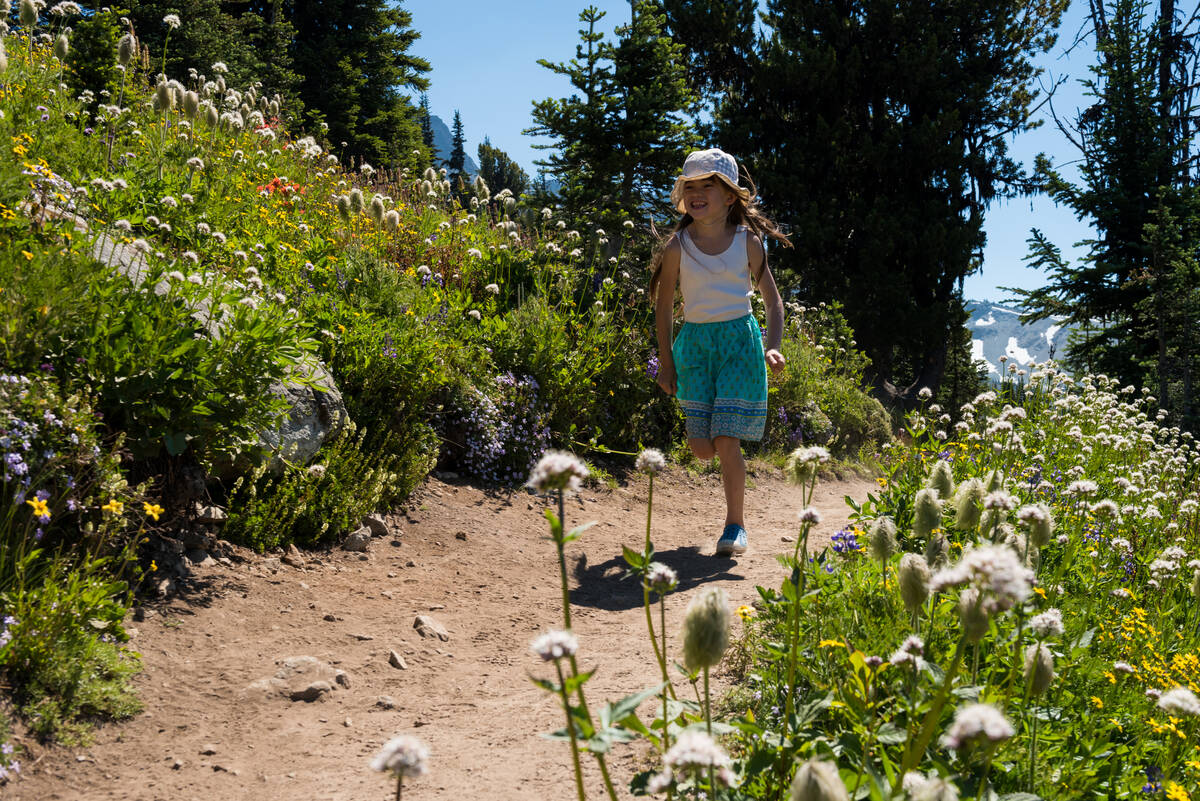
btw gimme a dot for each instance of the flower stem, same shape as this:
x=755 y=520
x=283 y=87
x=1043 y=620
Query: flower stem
x=913 y=755
x=562 y=562
x=562 y=690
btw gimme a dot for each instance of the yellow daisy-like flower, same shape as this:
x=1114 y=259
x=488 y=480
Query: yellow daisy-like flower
x=153 y=510
x=745 y=612
x=831 y=644
x=1175 y=792
x=114 y=506
x=1040 y=591
x=40 y=508
x=1096 y=702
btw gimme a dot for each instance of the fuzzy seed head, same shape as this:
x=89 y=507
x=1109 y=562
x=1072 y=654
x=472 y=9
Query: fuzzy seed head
x=343 y=206
x=1039 y=668
x=927 y=512
x=391 y=221
x=914 y=581
x=377 y=210
x=191 y=104
x=968 y=504
x=62 y=46
x=28 y=13
x=941 y=478
x=357 y=202
x=705 y=629
x=3 y=57
x=818 y=780
x=164 y=97
x=937 y=551
x=973 y=618
x=883 y=539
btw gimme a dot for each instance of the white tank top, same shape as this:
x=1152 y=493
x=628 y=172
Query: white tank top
x=715 y=288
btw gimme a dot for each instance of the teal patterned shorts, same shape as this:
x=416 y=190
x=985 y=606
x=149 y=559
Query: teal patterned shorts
x=722 y=379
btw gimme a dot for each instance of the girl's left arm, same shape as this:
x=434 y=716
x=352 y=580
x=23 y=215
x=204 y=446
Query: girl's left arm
x=773 y=303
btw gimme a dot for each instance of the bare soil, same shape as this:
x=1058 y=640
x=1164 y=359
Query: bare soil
x=477 y=561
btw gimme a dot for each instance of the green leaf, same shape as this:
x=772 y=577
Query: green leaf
x=628 y=705
x=891 y=734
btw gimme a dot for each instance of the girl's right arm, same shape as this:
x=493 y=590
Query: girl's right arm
x=664 y=315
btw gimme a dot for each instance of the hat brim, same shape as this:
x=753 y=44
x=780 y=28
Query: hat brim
x=677 y=189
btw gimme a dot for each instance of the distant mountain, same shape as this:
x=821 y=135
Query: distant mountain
x=996 y=331
x=443 y=141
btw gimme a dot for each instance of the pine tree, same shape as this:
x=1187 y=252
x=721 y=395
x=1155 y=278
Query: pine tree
x=499 y=171
x=1133 y=295
x=353 y=55
x=456 y=164
x=618 y=144
x=426 y=123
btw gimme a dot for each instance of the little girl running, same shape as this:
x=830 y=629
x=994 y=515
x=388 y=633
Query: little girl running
x=717 y=364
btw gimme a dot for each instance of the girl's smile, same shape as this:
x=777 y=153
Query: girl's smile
x=707 y=197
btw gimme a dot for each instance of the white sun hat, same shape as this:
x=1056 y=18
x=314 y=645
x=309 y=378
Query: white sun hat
x=702 y=164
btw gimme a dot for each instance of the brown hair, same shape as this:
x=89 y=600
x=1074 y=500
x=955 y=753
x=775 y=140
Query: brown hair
x=742 y=212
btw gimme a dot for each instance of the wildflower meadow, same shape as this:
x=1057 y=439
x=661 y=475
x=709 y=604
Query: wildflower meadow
x=173 y=254
x=1012 y=615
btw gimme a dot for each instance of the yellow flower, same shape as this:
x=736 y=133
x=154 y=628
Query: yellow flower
x=114 y=506
x=745 y=612
x=1096 y=702
x=28 y=256
x=153 y=566
x=153 y=510
x=831 y=644
x=39 y=507
x=1040 y=591
x=1175 y=792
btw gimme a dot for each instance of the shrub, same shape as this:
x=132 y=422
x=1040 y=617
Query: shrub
x=313 y=505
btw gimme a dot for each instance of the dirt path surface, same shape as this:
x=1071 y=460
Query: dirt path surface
x=479 y=563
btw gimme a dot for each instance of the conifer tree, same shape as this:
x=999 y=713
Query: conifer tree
x=456 y=163
x=617 y=144
x=1133 y=295
x=499 y=171
x=353 y=55
x=426 y=123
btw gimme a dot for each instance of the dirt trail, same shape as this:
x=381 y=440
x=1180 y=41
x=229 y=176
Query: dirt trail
x=476 y=561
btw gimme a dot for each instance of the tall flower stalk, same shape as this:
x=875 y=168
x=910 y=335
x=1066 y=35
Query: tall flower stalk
x=558 y=473
x=801 y=469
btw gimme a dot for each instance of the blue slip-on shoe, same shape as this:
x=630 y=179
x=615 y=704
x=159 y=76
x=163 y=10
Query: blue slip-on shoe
x=732 y=542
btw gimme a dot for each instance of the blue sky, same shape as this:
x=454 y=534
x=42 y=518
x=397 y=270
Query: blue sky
x=484 y=57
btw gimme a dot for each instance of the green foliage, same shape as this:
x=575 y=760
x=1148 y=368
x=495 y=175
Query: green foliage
x=190 y=368
x=500 y=171
x=1132 y=296
x=819 y=400
x=456 y=163
x=314 y=505
x=354 y=61
x=620 y=141
x=58 y=477
x=91 y=61
x=65 y=661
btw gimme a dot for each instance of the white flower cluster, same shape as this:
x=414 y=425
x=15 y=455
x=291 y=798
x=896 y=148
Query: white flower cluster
x=995 y=570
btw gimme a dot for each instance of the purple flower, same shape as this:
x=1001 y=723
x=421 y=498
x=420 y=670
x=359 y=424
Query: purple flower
x=652 y=366
x=45 y=117
x=87 y=131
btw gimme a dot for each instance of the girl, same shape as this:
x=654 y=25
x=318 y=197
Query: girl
x=717 y=364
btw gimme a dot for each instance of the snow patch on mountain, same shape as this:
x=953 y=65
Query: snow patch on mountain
x=996 y=331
